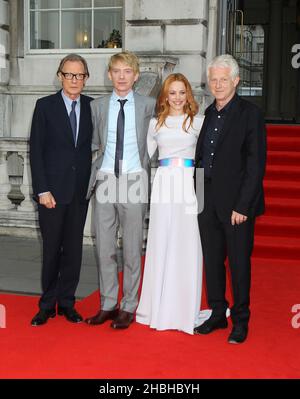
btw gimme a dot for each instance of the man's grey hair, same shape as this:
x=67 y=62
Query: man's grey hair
x=224 y=61
x=74 y=58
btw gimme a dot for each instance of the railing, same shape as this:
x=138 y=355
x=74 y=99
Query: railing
x=18 y=211
x=18 y=214
x=8 y=148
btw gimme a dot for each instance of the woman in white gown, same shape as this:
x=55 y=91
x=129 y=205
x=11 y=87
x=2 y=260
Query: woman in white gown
x=171 y=290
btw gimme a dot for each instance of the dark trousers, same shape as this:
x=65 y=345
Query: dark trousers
x=220 y=239
x=62 y=235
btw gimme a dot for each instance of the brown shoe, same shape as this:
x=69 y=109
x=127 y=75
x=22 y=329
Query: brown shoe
x=102 y=316
x=123 y=320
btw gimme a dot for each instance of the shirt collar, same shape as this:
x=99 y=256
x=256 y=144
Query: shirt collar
x=227 y=106
x=128 y=97
x=68 y=100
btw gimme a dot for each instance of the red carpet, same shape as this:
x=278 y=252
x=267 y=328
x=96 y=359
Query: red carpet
x=277 y=234
x=63 y=350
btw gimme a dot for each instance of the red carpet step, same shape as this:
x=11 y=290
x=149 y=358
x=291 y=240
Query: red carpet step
x=278 y=188
x=283 y=172
x=280 y=206
x=276 y=247
x=284 y=143
x=283 y=131
x=277 y=226
x=277 y=232
x=283 y=157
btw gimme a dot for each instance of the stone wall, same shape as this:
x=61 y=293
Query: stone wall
x=177 y=29
x=4 y=62
x=166 y=38
x=4 y=42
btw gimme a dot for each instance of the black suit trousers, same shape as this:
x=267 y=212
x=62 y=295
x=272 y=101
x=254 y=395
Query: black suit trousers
x=62 y=235
x=220 y=239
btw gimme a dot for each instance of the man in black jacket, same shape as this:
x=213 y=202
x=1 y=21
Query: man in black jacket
x=232 y=150
x=60 y=158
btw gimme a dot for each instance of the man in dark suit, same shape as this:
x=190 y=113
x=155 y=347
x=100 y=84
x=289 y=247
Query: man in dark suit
x=60 y=158
x=232 y=150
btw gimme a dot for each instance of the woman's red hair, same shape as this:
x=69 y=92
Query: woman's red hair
x=163 y=108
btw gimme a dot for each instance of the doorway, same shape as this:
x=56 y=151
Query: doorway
x=261 y=35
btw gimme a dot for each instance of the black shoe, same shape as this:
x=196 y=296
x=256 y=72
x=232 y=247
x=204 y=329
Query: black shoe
x=123 y=320
x=70 y=314
x=211 y=325
x=102 y=316
x=42 y=317
x=238 y=334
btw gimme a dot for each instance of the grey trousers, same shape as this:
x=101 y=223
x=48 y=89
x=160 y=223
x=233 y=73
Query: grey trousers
x=112 y=211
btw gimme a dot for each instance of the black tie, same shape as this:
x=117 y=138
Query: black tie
x=73 y=120
x=120 y=138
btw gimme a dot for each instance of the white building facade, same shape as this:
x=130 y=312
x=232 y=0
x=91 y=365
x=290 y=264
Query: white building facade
x=167 y=35
x=34 y=35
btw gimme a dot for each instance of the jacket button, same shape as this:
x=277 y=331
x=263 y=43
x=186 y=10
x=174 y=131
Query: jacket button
x=73 y=167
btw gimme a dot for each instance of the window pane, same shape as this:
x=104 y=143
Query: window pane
x=108 y=3
x=251 y=59
x=76 y=3
x=38 y=4
x=76 y=29
x=108 y=28
x=44 y=31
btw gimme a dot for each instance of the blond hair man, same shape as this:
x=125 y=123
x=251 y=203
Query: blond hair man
x=120 y=123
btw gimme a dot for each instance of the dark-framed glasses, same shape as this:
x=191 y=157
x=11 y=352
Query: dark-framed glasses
x=70 y=75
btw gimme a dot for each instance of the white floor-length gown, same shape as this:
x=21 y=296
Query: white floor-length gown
x=171 y=289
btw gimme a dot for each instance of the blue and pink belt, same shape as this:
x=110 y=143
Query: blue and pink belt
x=177 y=162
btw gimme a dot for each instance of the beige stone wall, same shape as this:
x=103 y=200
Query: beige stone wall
x=164 y=33
x=177 y=28
x=151 y=28
x=4 y=42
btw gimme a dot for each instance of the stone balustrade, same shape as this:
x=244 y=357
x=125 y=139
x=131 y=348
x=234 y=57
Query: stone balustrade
x=18 y=211
x=16 y=217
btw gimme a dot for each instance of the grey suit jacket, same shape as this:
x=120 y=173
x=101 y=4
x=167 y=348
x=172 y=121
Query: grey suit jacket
x=144 y=111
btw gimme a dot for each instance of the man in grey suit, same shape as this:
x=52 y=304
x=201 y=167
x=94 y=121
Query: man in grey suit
x=119 y=180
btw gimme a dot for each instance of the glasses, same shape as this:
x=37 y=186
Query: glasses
x=70 y=76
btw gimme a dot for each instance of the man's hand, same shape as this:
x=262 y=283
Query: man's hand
x=47 y=200
x=237 y=218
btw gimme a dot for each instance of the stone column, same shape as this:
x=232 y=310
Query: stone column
x=154 y=70
x=27 y=204
x=274 y=60
x=16 y=38
x=4 y=42
x=4 y=183
x=4 y=62
x=212 y=30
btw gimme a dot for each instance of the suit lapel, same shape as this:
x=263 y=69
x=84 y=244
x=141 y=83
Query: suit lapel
x=62 y=116
x=83 y=119
x=104 y=115
x=198 y=154
x=139 y=115
x=203 y=129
